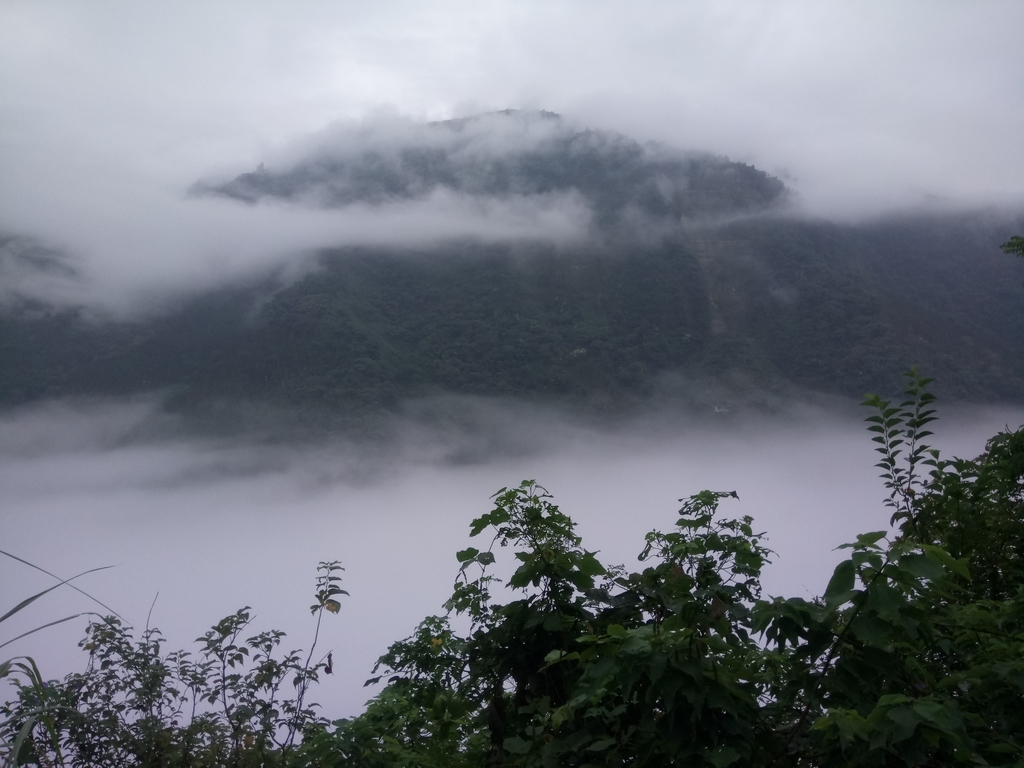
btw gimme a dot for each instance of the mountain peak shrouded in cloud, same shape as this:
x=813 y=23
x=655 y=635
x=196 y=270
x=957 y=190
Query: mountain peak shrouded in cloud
x=503 y=155
x=383 y=181
x=511 y=253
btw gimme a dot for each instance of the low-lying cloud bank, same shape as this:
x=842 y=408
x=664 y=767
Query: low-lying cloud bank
x=212 y=525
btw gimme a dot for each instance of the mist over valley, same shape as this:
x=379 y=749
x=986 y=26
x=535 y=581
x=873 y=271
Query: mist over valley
x=275 y=292
x=197 y=528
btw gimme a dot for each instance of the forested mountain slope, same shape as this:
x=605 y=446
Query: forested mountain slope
x=689 y=273
x=833 y=308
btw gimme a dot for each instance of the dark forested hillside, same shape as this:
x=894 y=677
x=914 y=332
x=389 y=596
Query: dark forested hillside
x=838 y=307
x=689 y=273
x=762 y=303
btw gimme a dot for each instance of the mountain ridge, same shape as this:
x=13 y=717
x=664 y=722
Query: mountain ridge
x=504 y=154
x=756 y=301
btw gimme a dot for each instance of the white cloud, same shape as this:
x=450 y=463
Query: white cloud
x=112 y=109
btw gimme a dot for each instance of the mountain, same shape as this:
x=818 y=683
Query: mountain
x=509 y=154
x=692 y=285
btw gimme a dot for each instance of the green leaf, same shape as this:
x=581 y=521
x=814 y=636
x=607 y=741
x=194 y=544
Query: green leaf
x=939 y=715
x=1004 y=749
x=906 y=721
x=19 y=740
x=516 y=745
x=616 y=630
x=1014 y=246
x=922 y=566
x=841 y=584
x=867 y=539
x=939 y=555
x=886 y=601
x=723 y=756
x=871 y=631
x=558 y=655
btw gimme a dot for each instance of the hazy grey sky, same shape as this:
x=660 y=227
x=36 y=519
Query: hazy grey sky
x=109 y=110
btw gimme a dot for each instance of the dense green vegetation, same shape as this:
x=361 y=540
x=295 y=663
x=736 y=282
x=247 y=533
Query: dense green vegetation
x=690 y=273
x=912 y=656
x=759 y=304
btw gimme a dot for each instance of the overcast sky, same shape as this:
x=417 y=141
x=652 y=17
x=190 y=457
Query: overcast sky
x=110 y=110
